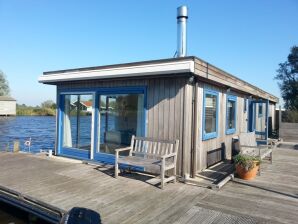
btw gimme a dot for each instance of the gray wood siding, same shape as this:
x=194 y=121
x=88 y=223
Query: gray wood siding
x=222 y=139
x=165 y=109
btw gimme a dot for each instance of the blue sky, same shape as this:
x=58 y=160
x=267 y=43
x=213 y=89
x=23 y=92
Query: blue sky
x=245 y=38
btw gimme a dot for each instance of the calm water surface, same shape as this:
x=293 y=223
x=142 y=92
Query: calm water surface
x=41 y=130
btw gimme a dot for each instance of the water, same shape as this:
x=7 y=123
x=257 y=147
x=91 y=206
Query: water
x=41 y=130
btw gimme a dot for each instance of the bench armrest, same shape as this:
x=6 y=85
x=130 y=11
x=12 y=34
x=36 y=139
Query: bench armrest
x=168 y=155
x=123 y=149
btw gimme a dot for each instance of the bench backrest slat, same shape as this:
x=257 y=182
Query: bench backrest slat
x=143 y=146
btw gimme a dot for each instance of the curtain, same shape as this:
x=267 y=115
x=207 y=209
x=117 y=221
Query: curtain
x=67 y=139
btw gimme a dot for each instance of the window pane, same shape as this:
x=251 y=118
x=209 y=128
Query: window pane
x=77 y=121
x=231 y=114
x=260 y=109
x=210 y=113
x=121 y=116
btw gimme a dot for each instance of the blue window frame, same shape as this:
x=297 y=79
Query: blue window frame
x=210 y=114
x=72 y=149
x=260 y=110
x=231 y=109
x=75 y=122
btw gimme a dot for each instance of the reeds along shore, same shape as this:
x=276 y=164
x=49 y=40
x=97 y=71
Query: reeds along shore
x=35 y=111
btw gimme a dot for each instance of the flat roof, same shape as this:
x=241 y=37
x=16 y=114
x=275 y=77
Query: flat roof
x=190 y=64
x=6 y=98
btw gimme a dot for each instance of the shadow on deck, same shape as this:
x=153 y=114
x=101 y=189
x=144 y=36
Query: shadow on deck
x=215 y=176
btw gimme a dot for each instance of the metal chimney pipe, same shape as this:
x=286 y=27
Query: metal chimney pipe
x=181 y=31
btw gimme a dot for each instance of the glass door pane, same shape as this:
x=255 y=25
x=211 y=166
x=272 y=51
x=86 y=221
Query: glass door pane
x=77 y=121
x=120 y=117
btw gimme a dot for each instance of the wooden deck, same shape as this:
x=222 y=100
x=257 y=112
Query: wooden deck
x=271 y=198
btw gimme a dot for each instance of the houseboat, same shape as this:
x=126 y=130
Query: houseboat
x=183 y=98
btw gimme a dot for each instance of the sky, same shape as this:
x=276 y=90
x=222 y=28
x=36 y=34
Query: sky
x=245 y=38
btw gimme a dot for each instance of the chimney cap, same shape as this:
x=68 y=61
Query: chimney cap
x=182 y=12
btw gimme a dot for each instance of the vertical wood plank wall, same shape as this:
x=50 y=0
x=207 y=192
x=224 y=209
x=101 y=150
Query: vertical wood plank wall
x=165 y=108
x=222 y=138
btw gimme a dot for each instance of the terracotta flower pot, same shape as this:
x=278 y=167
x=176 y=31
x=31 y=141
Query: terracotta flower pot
x=247 y=174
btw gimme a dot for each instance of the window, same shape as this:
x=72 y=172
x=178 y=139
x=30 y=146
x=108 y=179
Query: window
x=77 y=121
x=210 y=114
x=260 y=109
x=231 y=114
x=121 y=116
x=245 y=105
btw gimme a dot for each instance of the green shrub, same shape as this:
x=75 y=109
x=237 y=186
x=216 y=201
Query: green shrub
x=246 y=161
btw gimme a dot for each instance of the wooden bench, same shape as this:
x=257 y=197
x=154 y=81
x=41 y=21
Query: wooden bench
x=155 y=156
x=248 y=145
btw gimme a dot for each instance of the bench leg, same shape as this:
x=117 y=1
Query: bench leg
x=174 y=174
x=162 y=174
x=116 y=169
x=116 y=164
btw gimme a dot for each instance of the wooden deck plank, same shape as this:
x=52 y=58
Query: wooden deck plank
x=129 y=199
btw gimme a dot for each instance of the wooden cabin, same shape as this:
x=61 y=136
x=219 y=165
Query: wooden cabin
x=179 y=98
x=7 y=106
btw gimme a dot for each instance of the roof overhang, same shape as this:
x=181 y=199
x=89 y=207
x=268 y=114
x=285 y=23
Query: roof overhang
x=154 y=68
x=183 y=65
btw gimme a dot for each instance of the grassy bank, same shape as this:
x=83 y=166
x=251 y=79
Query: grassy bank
x=23 y=110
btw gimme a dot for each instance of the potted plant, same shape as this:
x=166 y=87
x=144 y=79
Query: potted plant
x=247 y=166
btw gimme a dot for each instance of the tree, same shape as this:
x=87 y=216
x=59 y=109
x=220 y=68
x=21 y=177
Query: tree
x=48 y=104
x=4 y=86
x=287 y=74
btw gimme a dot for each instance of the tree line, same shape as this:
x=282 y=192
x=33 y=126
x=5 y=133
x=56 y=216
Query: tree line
x=47 y=108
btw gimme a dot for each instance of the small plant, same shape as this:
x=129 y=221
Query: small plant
x=246 y=161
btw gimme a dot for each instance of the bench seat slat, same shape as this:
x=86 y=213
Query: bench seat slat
x=150 y=165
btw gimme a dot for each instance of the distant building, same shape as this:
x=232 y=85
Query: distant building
x=85 y=106
x=7 y=106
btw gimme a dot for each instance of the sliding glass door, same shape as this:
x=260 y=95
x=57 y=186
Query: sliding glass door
x=92 y=125
x=77 y=123
x=120 y=117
